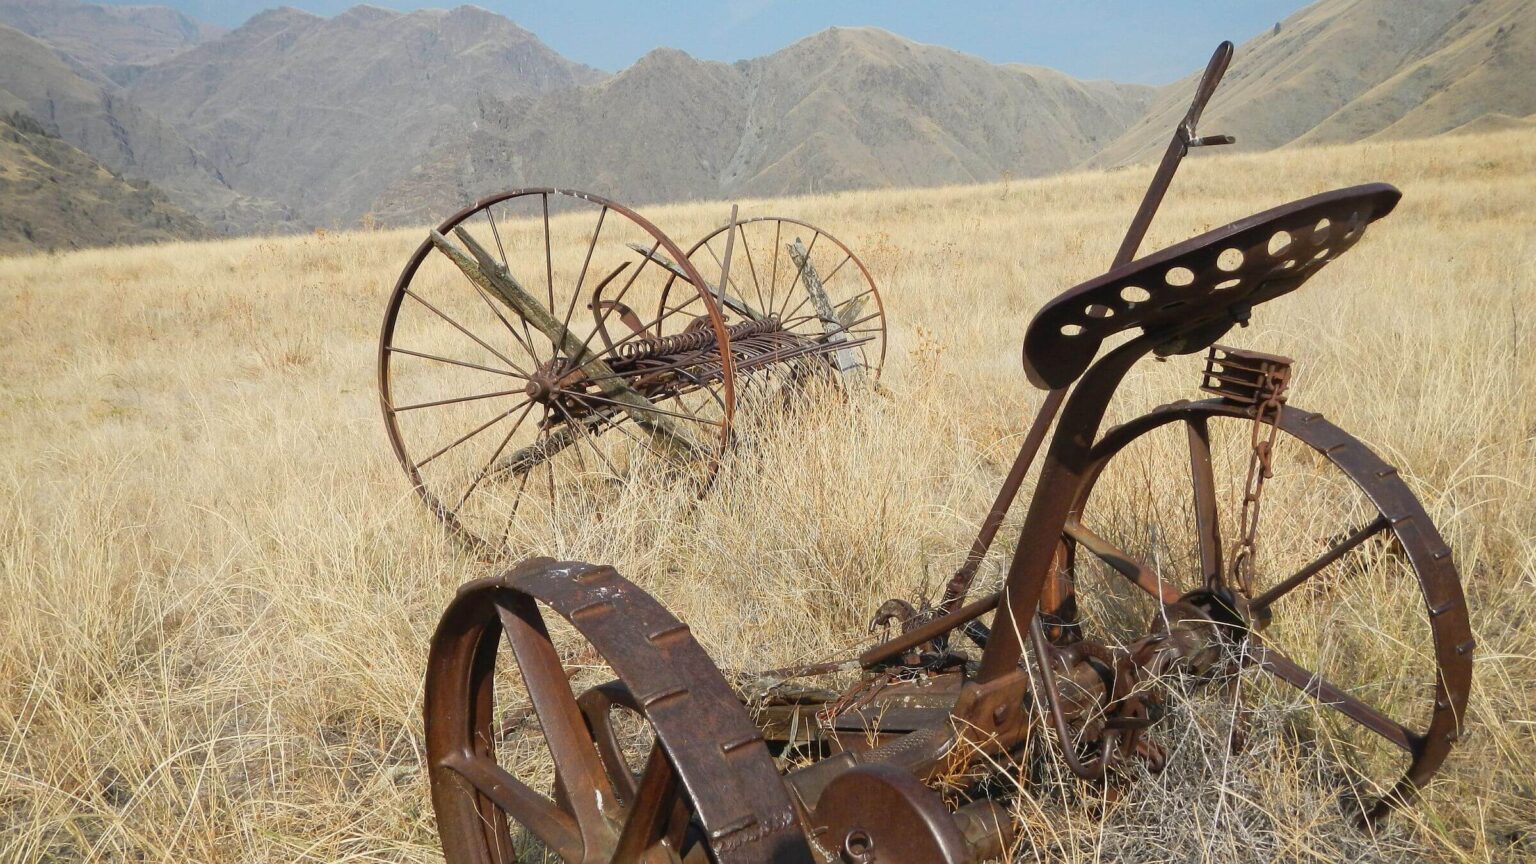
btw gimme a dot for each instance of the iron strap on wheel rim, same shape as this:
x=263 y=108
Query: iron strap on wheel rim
x=718 y=754
x=1439 y=584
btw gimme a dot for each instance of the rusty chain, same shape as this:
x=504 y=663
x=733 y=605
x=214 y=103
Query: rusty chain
x=1272 y=391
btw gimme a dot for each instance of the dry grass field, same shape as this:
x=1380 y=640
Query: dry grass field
x=218 y=587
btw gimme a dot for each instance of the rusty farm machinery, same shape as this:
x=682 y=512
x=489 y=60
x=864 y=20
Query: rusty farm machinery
x=608 y=351
x=661 y=758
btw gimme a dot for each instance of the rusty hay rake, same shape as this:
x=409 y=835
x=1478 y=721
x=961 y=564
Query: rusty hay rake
x=653 y=756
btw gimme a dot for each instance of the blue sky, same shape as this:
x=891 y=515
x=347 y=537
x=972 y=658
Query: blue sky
x=1147 y=41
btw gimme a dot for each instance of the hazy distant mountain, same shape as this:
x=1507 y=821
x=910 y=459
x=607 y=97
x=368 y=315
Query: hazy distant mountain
x=293 y=120
x=114 y=40
x=1343 y=70
x=321 y=114
x=844 y=109
x=57 y=197
x=95 y=115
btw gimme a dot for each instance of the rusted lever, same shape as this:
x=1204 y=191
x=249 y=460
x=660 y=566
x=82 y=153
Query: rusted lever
x=1216 y=68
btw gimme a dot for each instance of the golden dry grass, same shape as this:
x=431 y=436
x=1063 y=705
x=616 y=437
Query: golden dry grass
x=219 y=589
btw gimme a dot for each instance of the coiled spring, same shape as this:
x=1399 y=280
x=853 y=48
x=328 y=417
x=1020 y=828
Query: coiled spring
x=693 y=340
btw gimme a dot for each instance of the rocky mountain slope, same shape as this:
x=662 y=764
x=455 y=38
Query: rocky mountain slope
x=844 y=109
x=57 y=197
x=1344 y=70
x=117 y=41
x=94 y=114
x=322 y=113
x=293 y=120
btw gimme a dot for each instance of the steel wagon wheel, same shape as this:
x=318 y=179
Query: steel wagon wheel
x=690 y=776
x=1365 y=611
x=508 y=371
x=777 y=260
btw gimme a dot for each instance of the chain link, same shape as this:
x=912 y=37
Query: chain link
x=1260 y=469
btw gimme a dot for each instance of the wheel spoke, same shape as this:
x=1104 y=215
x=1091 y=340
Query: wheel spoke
x=549 y=257
x=1121 y=562
x=1321 y=562
x=462 y=329
x=456 y=400
x=549 y=823
x=1333 y=696
x=586 y=262
x=490 y=463
x=585 y=432
x=751 y=267
x=1207 y=517
x=470 y=434
x=393 y=350
x=848 y=256
x=576 y=763
x=501 y=250
x=778 y=249
x=651 y=808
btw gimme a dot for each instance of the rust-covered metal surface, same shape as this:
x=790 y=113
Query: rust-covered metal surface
x=590 y=367
x=892 y=756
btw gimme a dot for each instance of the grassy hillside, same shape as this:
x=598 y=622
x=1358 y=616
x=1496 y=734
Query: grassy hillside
x=57 y=197
x=219 y=589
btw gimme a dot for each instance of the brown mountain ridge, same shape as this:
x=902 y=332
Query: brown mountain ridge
x=843 y=109
x=293 y=120
x=1346 y=70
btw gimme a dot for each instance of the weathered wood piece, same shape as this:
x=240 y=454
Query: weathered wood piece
x=541 y=451
x=491 y=275
x=737 y=305
x=847 y=362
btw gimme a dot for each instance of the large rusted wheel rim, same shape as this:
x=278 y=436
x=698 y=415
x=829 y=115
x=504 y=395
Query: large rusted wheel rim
x=1366 y=640
x=682 y=775
x=775 y=262
x=498 y=421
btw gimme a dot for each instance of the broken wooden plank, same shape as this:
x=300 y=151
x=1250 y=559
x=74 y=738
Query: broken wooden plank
x=847 y=362
x=739 y=306
x=491 y=275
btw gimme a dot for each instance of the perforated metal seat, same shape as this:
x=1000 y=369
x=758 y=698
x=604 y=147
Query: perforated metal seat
x=1190 y=293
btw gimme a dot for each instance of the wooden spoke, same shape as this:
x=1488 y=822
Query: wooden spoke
x=801 y=266
x=588 y=397
x=527 y=338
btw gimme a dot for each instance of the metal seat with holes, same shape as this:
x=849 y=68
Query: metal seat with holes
x=1194 y=291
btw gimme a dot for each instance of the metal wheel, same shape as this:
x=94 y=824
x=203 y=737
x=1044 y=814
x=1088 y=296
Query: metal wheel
x=776 y=263
x=517 y=376
x=683 y=775
x=1355 y=601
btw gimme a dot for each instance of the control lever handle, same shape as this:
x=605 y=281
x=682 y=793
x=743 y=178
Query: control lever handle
x=1210 y=141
